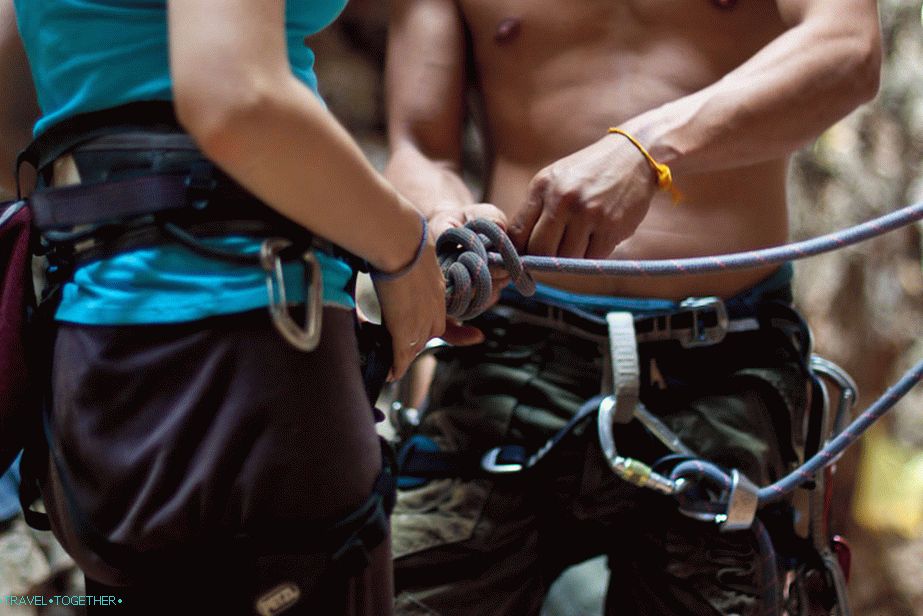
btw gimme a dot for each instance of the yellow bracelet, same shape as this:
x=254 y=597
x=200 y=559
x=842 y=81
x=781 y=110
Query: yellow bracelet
x=664 y=175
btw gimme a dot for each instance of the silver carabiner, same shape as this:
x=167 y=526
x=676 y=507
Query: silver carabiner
x=629 y=469
x=302 y=338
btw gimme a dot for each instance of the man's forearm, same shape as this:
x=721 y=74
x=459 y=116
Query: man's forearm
x=430 y=184
x=779 y=100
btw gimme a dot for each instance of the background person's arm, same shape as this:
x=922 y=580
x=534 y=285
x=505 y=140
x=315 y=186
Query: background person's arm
x=425 y=82
x=813 y=74
x=18 y=108
x=236 y=95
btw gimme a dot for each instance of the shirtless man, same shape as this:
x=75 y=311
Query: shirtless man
x=721 y=91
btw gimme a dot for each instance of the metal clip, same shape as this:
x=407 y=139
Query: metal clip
x=849 y=391
x=306 y=338
x=404 y=419
x=489 y=463
x=700 y=334
x=743 y=502
x=628 y=469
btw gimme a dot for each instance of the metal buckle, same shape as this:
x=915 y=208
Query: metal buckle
x=489 y=463
x=200 y=184
x=307 y=338
x=699 y=334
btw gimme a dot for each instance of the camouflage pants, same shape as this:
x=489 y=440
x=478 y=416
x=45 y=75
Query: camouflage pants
x=493 y=547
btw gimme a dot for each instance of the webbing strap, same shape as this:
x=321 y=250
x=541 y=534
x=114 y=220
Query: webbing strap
x=69 y=133
x=626 y=371
x=110 y=201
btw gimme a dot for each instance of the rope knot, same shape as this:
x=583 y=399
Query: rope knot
x=463 y=257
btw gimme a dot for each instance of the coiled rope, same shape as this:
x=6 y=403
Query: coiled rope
x=463 y=257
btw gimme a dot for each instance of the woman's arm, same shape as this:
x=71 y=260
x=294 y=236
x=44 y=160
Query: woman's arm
x=18 y=109
x=236 y=95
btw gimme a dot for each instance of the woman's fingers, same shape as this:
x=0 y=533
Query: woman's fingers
x=413 y=308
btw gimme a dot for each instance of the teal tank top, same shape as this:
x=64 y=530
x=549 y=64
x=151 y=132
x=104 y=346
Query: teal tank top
x=88 y=55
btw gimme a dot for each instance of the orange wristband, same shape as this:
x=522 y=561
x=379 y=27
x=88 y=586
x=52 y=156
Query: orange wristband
x=664 y=175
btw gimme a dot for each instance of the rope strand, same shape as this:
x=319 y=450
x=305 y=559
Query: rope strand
x=489 y=243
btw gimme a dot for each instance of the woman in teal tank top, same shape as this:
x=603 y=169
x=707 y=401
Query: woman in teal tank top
x=193 y=451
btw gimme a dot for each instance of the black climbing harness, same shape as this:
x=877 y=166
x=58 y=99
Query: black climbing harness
x=179 y=197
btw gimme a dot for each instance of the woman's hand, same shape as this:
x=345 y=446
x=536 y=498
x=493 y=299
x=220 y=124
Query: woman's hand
x=447 y=217
x=413 y=308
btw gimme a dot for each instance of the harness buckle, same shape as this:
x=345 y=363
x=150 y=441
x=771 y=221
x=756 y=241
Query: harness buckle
x=302 y=338
x=701 y=334
x=200 y=184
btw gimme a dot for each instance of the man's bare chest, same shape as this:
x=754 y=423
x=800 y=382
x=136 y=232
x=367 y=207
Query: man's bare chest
x=602 y=60
x=703 y=24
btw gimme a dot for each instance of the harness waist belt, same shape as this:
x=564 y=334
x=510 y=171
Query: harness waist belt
x=697 y=322
x=92 y=204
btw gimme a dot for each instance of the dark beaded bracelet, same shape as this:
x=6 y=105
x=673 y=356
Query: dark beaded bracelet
x=377 y=274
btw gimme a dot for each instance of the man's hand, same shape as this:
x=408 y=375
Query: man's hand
x=583 y=205
x=447 y=217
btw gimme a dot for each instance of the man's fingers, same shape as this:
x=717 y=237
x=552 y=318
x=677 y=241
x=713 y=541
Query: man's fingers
x=520 y=229
x=488 y=211
x=443 y=221
x=601 y=245
x=576 y=240
x=546 y=236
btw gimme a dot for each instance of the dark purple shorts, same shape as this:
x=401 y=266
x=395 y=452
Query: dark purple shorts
x=171 y=434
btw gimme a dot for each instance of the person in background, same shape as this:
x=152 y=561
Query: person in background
x=622 y=130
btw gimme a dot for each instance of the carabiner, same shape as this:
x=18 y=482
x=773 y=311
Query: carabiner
x=302 y=338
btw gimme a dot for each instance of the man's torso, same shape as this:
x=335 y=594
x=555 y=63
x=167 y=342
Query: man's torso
x=554 y=76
